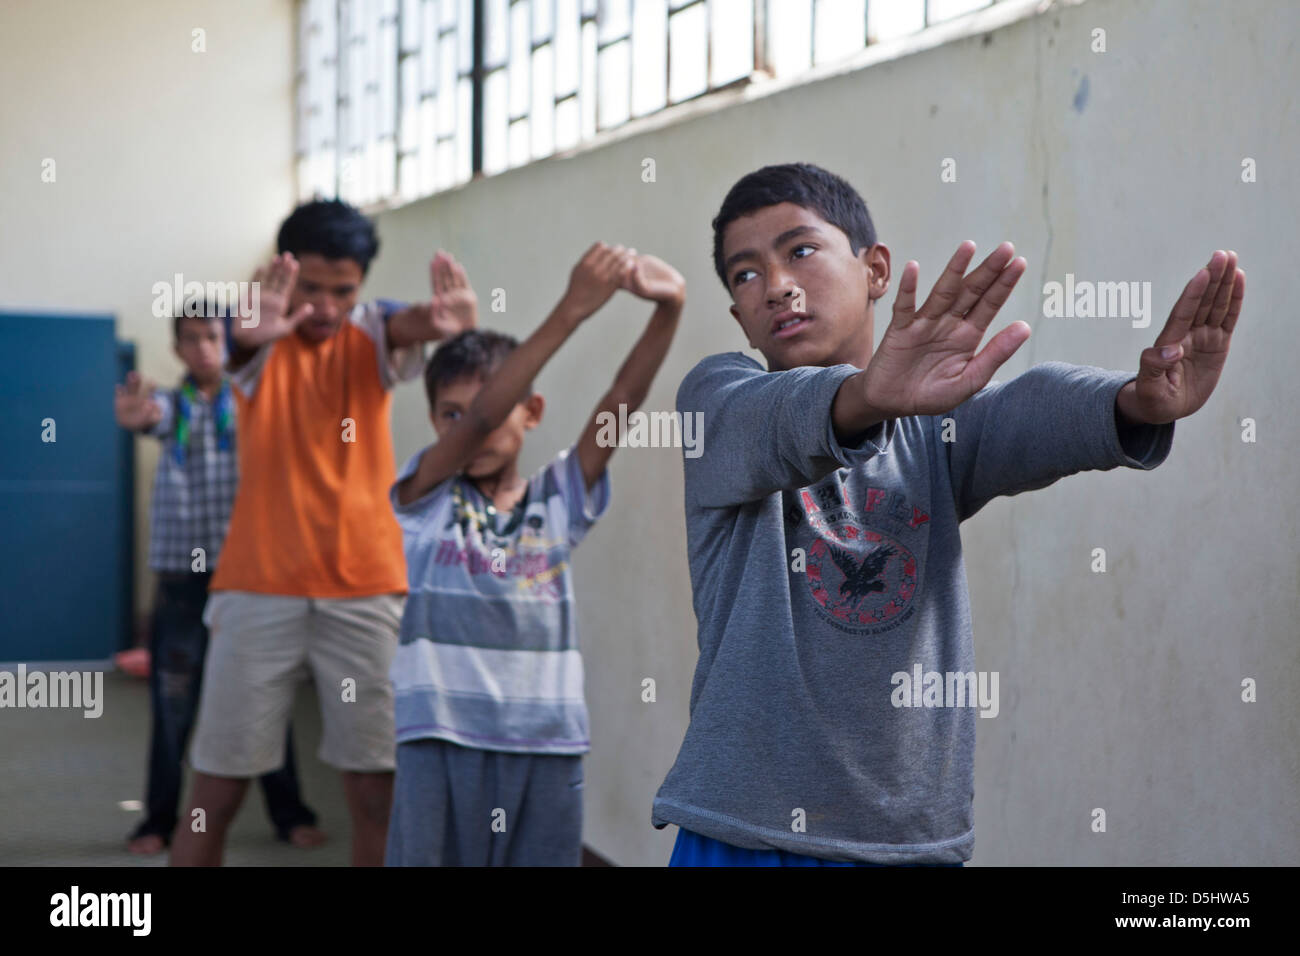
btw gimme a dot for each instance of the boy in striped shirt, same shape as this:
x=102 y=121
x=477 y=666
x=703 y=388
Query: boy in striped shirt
x=491 y=719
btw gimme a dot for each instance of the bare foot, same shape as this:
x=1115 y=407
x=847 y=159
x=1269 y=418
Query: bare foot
x=148 y=845
x=305 y=836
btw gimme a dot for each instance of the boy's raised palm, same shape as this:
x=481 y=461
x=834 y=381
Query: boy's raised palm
x=275 y=287
x=601 y=272
x=454 y=306
x=655 y=280
x=926 y=362
x=133 y=404
x=1200 y=329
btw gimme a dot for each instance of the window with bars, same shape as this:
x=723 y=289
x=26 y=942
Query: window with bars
x=399 y=99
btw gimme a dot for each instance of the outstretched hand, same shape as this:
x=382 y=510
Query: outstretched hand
x=1177 y=375
x=452 y=309
x=926 y=362
x=134 y=406
x=275 y=284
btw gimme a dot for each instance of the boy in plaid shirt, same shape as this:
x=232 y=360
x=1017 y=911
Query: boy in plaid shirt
x=193 y=491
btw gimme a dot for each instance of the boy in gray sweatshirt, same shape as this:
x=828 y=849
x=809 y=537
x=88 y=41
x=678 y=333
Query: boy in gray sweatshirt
x=833 y=706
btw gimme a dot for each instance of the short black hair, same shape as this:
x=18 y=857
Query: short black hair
x=803 y=184
x=330 y=228
x=473 y=354
x=209 y=310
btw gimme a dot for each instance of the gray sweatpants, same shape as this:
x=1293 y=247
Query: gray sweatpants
x=461 y=806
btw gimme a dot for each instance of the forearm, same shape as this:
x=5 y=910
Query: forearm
x=502 y=391
x=1049 y=422
x=760 y=431
x=637 y=373
x=429 y=473
x=406 y=327
x=508 y=385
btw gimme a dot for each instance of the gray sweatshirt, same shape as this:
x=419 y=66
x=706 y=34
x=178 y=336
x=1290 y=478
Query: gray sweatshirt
x=825 y=575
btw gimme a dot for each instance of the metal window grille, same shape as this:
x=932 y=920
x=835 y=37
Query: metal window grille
x=400 y=99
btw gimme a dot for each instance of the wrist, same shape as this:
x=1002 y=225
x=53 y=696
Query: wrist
x=853 y=415
x=243 y=341
x=1127 y=413
x=567 y=315
x=402 y=329
x=871 y=409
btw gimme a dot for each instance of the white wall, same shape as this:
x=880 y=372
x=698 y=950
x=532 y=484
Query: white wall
x=1121 y=690
x=166 y=161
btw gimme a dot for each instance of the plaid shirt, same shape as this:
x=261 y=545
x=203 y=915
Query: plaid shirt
x=191 y=501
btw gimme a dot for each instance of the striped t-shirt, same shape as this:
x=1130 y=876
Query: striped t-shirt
x=489 y=656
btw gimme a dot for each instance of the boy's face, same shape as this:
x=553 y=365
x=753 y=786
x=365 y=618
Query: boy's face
x=777 y=253
x=201 y=345
x=502 y=446
x=331 y=286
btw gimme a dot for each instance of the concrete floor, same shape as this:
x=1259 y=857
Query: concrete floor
x=62 y=777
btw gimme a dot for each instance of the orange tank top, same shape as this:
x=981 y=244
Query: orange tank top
x=312 y=516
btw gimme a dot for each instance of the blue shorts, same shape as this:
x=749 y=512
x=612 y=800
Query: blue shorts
x=692 y=849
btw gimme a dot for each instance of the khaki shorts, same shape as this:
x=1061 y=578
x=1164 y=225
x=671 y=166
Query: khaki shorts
x=262 y=646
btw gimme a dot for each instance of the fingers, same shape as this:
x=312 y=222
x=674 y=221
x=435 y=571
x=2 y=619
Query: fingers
x=302 y=312
x=1234 y=303
x=605 y=268
x=598 y=257
x=1153 y=364
x=999 y=348
x=133 y=403
x=996 y=296
x=616 y=264
x=613 y=263
x=1218 y=267
x=1184 y=311
x=1223 y=295
x=905 y=301
x=978 y=282
x=634 y=277
x=949 y=286
x=283 y=273
x=136 y=385
x=436 y=274
x=445 y=273
x=456 y=277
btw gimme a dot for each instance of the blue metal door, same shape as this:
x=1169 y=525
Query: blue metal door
x=66 y=500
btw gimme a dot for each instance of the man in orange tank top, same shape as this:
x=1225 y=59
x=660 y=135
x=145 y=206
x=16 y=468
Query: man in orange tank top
x=313 y=577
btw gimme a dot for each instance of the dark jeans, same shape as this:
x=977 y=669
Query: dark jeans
x=177 y=649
